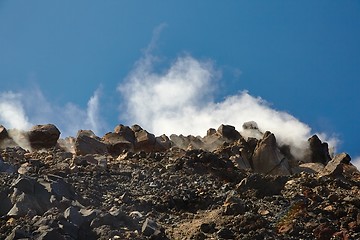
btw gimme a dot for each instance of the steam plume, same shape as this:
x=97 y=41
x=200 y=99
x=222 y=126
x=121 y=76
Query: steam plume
x=20 y=113
x=180 y=100
x=12 y=113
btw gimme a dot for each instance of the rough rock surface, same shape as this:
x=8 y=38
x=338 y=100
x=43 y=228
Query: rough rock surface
x=88 y=143
x=43 y=136
x=176 y=193
x=319 y=151
x=3 y=133
x=267 y=157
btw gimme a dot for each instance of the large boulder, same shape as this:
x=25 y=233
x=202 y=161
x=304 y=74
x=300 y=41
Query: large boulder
x=43 y=136
x=117 y=143
x=163 y=143
x=228 y=132
x=145 y=141
x=267 y=157
x=88 y=143
x=319 y=151
x=335 y=167
x=125 y=132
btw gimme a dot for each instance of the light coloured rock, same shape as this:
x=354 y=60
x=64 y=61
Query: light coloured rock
x=311 y=167
x=267 y=157
x=335 y=167
x=88 y=143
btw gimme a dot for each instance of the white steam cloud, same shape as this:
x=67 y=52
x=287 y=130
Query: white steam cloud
x=180 y=101
x=22 y=110
x=12 y=113
x=93 y=119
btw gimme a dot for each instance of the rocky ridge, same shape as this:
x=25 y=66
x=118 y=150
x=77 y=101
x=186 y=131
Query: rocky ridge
x=131 y=184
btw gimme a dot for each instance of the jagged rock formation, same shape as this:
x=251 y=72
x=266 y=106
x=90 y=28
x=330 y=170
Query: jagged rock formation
x=130 y=184
x=267 y=157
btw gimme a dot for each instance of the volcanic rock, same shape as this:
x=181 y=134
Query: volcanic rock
x=43 y=136
x=311 y=167
x=3 y=133
x=163 y=143
x=150 y=228
x=335 y=167
x=267 y=157
x=144 y=141
x=319 y=151
x=5 y=167
x=88 y=143
x=229 y=132
x=185 y=187
x=74 y=216
x=117 y=143
x=126 y=132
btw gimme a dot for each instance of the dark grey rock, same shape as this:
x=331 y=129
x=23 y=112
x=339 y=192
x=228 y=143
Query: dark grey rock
x=18 y=233
x=73 y=215
x=50 y=234
x=225 y=233
x=319 y=151
x=208 y=227
x=149 y=228
x=25 y=184
x=3 y=133
x=6 y=167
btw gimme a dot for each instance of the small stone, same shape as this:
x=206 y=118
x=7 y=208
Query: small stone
x=73 y=215
x=225 y=233
x=333 y=197
x=149 y=227
x=208 y=227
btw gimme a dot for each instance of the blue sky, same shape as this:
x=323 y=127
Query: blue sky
x=302 y=57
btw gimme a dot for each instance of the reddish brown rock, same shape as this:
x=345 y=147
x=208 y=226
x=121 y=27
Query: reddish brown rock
x=229 y=132
x=335 y=167
x=163 y=143
x=43 y=136
x=126 y=133
x=88 y=143
x=117 y=143
x=144 y=141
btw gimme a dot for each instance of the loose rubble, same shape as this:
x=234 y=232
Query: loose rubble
x=131 y=184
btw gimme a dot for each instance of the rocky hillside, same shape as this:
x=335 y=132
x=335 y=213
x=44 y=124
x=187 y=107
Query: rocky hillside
x=130 y=184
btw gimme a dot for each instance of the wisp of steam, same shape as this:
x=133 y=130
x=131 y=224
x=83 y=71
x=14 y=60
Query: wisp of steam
x=180 y=100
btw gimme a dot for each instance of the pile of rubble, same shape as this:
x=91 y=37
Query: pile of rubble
x=130 y=184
